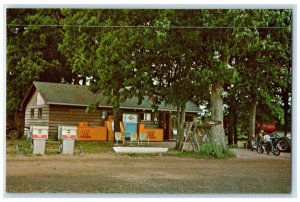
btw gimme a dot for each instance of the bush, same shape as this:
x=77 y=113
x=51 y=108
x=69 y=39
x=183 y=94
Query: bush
x=207 y=151
x=18 y=147
x=217 y=152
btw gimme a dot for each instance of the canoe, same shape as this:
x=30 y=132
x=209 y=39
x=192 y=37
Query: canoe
x=141 y=150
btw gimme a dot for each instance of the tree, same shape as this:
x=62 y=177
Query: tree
x=32 y=52
x=220 y=49
x=174 y=56
x=259 y=66
x=175 y=68
x=258 y=61
x=98 y=48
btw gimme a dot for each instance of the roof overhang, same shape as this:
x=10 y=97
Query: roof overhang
x=107 y=106
x=86 y=103
x=28 y=96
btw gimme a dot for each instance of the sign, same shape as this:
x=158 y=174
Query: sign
x=67 y=132
x=92 y=133
x=39 y=132
x=130 y=118
x=130 y=124
x=154 y=134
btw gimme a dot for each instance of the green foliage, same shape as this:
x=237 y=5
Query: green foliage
x=93 y=147
x=81 y=148
x=106 y=55
x=261 y=63
x=207 y=151
x=23 y=147
x=188 y=154
x=18 y=147
x=233 y=146
x=216 y=151
x=142 y=155
x=165 y=63
x=32 y=52
x=206 y=148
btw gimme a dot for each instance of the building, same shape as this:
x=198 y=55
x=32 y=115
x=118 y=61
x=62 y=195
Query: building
x=54 y=104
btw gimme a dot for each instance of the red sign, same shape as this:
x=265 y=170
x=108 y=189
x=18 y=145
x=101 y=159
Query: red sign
x=36 y=136
x=68 y=136
x=85 y=134
x=151 y=134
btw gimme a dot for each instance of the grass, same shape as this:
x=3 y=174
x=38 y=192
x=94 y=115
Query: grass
x=93 y=147
x=18 y=147
x=202 y=155
x=174 y=153
x=190 y=154
x=143 y=154
x=23 y=147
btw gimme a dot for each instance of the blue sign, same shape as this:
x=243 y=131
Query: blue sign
x=130 y=124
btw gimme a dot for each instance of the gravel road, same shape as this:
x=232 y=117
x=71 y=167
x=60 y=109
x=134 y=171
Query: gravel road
x=248 y=173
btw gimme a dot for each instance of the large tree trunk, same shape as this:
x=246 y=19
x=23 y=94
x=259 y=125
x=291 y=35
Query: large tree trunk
x=235 y=131
x=217 y=138
x=252 y=118
x=231 y=124
x=116 y=112
x=180 y=125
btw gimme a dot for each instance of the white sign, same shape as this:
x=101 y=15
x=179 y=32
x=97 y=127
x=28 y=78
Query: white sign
x=130 y=118
x=39 y=132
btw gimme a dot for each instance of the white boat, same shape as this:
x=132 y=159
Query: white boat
x=141 y=150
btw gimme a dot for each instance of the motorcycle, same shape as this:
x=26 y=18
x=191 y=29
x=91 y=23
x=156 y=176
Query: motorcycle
x=265 y=146
x=254 y=144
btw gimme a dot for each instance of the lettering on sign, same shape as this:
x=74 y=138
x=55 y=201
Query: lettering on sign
x=131 y=118
x=85 y=134
x=151 y=134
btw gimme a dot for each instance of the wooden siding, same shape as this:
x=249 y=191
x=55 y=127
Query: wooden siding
x=35 y=120
x=40 y=100
x=72 y=115
x=55 y=115
x=33 y=99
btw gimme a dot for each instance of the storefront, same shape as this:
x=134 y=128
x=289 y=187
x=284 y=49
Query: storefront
x=55 y=104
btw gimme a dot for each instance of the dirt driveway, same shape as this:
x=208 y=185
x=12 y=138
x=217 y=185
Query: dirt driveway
x=249 y=172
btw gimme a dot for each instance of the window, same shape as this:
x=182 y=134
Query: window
x=32 y=113
x=40 y=112
x=146 y=117
x=104 y=115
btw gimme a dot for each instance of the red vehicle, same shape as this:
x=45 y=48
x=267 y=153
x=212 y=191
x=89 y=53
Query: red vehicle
x=267 y=127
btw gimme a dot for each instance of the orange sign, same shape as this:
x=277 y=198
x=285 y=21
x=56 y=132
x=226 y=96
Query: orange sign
x=91 y=133
x=154 y=134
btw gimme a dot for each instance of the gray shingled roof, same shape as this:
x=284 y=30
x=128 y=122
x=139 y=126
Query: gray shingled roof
x=77 y=95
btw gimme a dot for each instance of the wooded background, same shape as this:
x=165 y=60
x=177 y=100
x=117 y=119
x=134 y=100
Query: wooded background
x=237 y=62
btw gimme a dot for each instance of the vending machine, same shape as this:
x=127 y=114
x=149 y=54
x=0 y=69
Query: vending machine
x=130 y=124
